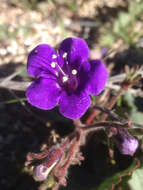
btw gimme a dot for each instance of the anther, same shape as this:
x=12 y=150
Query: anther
x=54 y=56
x=74 y=72
x=65 y=78
x=65 y=55
x=53 y=64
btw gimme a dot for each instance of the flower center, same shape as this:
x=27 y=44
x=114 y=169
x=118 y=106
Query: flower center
x=67 y=77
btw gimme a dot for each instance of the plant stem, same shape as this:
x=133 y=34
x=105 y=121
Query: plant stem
x=112 y=103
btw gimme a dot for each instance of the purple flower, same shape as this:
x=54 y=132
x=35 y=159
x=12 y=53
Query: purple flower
x=125 y=142
x=65 y=77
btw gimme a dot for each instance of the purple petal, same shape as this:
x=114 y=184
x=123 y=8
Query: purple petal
x=40 y=59
x=73 y=106
x=84 y=77
x=43 y=93
x=98 y=75
x=76 y=49
x=125 y=142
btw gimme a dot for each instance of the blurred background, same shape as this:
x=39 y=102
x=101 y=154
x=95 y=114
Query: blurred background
x=110 y=27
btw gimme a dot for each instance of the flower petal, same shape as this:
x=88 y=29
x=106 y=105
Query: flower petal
x=125 y=142
x=76 y=49
x=43 y=93
x=40 y=59
x=73 y=106
x=83 y=76
x=98 y=75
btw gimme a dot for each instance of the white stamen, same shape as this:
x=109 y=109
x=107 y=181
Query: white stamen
x=74 y=72
x=65 y=78
x=53 y=64
x=54 y=56
x=65 y=55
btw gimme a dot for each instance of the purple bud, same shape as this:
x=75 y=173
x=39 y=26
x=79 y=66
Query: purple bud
x=42 y=171
x=125 y=142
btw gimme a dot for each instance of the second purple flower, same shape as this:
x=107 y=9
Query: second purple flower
x=65 y=77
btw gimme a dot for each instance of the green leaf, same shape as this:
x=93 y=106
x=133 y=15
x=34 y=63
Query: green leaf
x=115 y=179
x=93 y=98
x=119 y=101
x=124 y=19
x=137 y=116
x=116 y=27
x=107 y=39
x=23 y=72
x=135 y=9
x=130 y=99
x=136 y=181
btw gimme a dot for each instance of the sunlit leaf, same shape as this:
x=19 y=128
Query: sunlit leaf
x=118 y=177
x=136 y=181
x=124 y=19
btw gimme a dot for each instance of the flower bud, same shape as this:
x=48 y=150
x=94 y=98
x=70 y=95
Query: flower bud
x=42 y=171
x=125 y=142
